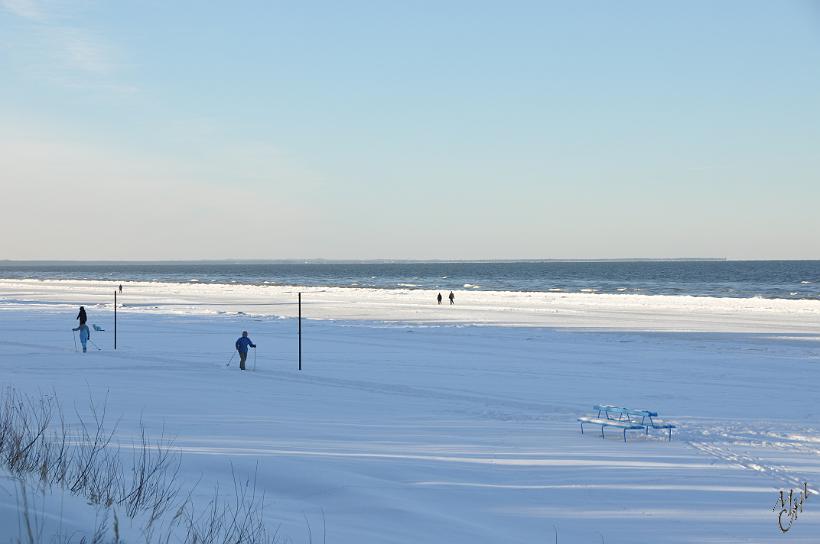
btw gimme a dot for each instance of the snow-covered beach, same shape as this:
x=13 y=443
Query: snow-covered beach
x=413 y=422
x=530 y=309
x=449 y=233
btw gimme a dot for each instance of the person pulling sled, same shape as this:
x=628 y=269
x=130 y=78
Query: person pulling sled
x=85 y=335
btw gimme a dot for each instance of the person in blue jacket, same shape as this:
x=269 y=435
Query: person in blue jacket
x=85 y=334
x=242 y=347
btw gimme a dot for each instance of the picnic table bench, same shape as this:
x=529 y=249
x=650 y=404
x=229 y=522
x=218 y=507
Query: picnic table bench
x=627 y=419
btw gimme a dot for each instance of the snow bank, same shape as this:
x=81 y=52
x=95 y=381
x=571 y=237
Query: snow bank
x=633 y=312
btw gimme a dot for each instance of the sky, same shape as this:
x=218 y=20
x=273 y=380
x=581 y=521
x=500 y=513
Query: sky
x=409 y=130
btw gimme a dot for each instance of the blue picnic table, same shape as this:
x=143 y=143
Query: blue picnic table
x=626 y=419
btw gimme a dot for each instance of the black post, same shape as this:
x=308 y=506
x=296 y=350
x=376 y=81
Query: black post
x=300 y=331
x=115 y=319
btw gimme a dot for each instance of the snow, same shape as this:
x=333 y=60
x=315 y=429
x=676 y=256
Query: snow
x=536 y=309
x=413 y=422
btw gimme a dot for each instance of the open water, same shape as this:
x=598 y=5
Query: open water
x=743 y=279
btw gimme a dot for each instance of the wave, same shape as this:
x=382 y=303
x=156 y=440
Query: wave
x=775 y=280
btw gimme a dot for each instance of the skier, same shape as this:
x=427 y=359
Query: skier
x=85 y=334
x=242 y=344
x=439 y=298
x=452 y=298
x=81 y=316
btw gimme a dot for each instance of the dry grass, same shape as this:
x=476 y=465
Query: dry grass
x=37 y=446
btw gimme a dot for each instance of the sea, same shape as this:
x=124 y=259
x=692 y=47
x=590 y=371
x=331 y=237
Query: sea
x=798 y=280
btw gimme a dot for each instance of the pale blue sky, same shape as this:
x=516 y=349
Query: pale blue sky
x=466 y=130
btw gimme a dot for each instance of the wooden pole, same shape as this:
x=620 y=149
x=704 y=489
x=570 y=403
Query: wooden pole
x=300 y=331
x=115 y=319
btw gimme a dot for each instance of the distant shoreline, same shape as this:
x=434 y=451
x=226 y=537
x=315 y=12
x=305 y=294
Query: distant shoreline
x=13 y=262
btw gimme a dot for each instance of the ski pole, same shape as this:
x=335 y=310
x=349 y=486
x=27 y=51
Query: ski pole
x=231 y=359
x=74 y=333
x=254 y=359
x=93 y=344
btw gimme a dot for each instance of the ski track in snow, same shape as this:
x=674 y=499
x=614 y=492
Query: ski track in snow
x=782 y=474
x=723 y=441
x=423 y=431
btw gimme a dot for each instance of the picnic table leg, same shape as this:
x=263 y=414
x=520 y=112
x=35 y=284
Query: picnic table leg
x=582 y=427
x=602 y=431
x=624 y=435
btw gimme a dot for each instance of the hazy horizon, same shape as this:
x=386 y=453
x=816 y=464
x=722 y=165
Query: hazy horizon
x=319 y=260
x=428 y=131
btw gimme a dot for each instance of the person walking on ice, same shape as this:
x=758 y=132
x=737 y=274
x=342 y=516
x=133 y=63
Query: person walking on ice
x=85 y=335
x=242 y=347
x=439 y=298
x=82 y=316
x=452 y=298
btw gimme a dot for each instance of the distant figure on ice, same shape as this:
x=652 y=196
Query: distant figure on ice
x=452 y=298
x=439 y=298
x=120 y=288
x=85 y=334
x=81 y=316
x=242 y=347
